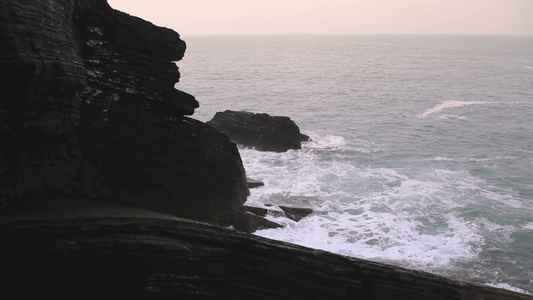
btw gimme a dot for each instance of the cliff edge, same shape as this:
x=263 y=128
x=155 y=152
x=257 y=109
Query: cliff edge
x=88 y=108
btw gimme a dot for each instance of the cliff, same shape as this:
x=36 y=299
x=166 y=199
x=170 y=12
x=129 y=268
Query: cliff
x=89 y=109
x=103 y=178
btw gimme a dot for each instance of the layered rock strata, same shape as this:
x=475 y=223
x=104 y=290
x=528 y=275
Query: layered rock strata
x=261 y=131
x=88 y=108
x=86 y=250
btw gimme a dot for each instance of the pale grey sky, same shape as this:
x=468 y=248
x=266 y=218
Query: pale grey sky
x=214 y=17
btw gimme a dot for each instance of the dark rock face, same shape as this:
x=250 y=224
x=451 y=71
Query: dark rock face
x=117 y=253
x=261 y=131
x=88 y=108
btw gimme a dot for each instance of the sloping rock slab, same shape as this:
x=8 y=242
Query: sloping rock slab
x=135 y=257
x=296 y=213
x=253 y=183
x=260 y=131
x=255 y=210
x=250 y=222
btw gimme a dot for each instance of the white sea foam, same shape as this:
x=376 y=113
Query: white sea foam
x=374 y=213
x=383 y=236
x=452 y=104
x=507 y=286
x=528 y=226
x=528 y=67
x=472 y=159
x=327 y=141
x=452 y=117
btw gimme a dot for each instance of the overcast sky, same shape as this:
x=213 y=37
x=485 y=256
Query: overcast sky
x=214 y=17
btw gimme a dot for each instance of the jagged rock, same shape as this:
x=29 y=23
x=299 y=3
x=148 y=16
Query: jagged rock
x=250 y=222
x=89 y=108
x=253 y=183
x=260 y=131
x=293 y=213
x=296 y=213
x=255 y=210
x=83 y=250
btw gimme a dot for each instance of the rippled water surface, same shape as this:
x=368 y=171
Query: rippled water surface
x=421 y=151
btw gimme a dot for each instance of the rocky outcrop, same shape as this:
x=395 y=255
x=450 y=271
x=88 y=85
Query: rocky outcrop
x=88 y=108
x=296 y=213
x=84 y=250
x=260 y=131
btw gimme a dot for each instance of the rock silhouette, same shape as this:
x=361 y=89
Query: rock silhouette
x=259 y=130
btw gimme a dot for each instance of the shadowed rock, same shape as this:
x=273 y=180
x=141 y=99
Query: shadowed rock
x=260 y=131
x=253 y=183
x=296 y=213
x=89 y=108
x=256 y=210
x=77 y=249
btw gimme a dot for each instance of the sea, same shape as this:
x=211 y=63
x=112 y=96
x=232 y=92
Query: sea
x=422 y=146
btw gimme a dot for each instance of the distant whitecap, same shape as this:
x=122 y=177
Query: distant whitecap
x=452 y=104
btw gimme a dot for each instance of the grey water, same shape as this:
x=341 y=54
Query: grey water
x=422 y=146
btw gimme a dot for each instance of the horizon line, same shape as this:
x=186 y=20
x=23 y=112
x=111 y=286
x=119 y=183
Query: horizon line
x=357 y=34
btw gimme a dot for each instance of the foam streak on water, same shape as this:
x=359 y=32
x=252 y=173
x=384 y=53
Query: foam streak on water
x=377 y=213
x=433 y=219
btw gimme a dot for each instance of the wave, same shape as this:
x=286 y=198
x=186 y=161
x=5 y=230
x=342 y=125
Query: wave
x=472 y=159
x=452 y=104
x=452 y=117
x=383 y=214
x=528 y=67
x=528 y=226
x=328 y=141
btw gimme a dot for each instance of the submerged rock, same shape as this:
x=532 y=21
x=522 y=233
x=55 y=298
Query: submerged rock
x=260 y=131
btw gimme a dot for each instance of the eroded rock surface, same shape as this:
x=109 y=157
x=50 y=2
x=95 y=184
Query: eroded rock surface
x=260 y=131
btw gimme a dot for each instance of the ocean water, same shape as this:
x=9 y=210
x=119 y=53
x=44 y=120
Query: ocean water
x=422 y=146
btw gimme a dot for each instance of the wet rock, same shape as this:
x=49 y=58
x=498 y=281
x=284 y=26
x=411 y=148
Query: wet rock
x=260 y=131
x=253 y=183
x=296 y=213
x=255 y=210
x=249 y=222
x=293 y=213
